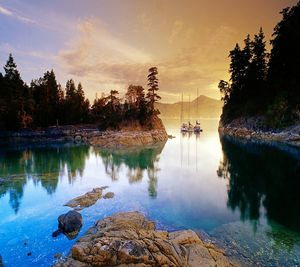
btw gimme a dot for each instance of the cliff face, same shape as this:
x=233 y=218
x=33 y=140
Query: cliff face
x=130 y=134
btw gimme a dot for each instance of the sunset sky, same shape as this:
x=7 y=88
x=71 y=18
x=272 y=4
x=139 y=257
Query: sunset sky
x=109 y=44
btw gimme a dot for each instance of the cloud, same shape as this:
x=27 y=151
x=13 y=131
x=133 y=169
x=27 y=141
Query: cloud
x=7 y=12
x=7 y=49
x=176 y=30
x=101 y=61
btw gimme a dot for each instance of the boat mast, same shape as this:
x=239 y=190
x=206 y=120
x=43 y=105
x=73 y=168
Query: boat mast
x=181 y=112
x=197 y=103
x=189 y=107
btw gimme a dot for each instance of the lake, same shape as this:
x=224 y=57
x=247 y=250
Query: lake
x=245 y=196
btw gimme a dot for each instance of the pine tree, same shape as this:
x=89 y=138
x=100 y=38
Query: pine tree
x=152 y=95
x=284 y=68
x=70 y=90
x=255 y=75
x=17 y=97
x=46 y=95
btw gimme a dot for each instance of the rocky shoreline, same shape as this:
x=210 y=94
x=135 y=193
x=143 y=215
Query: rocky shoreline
x=126 y=136
x=248 y=129
x=130 y=239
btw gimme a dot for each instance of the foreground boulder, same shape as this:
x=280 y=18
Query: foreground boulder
x=69 y=224
x=86 y=200
x=129 y=239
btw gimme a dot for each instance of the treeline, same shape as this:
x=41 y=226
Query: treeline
x=46 y=103
x=266 y=84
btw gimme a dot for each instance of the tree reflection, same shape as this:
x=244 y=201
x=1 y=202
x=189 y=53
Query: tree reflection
x=41 y=165
x=262 y=176
x=138 y=161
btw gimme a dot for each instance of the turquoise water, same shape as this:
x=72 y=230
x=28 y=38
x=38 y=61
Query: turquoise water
x=245 y=196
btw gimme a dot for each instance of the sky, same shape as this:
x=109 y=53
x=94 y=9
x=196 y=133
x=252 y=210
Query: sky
x=110 y=44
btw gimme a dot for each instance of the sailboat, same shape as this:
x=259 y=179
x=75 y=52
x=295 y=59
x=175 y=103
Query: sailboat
x=184 y=127
x=197 y=127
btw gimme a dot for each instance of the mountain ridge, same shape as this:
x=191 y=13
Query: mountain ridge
x=207 y=108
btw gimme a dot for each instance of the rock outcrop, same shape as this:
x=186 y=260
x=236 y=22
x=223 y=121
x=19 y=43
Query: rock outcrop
x=132 y=135
x=129 y=239
x=69 y=224
x=129 y=134
x=250 y=129
x=86 y=200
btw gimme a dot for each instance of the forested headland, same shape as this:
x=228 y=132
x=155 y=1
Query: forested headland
x=263 y=84
x=46 y=103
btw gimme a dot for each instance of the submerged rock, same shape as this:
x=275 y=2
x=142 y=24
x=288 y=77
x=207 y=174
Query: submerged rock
x=129 y=239
x=57 y=256
x=69 y=224
x=109 y=195
x=1 y=262
x=86 y=200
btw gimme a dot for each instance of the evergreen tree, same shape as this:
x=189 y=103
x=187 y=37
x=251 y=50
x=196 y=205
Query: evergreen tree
x=99 y=109
x=17 y=107
x=2 y=102
x=269 y=89
x=70 y=103
x=45 y=103
x=142 y=106
x=152 y=95
x=46 y=95
x=70 y=90
x=82 y=105
x=135 y=103
x=255 y=76
x=284 y=67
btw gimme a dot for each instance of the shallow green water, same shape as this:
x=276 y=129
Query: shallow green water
x=245 y=196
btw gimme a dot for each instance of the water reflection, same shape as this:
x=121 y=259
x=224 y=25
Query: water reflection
x=45 y=166
x=262 y=179
x=41 y=165
x=137 y=161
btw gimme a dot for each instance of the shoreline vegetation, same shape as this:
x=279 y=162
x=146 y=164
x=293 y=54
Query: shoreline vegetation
x=44 y=112
x=262 y=99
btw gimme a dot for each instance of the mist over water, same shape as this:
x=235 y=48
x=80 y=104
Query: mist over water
x=244 y=195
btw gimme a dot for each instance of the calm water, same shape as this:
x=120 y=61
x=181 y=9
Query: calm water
x=244 y=195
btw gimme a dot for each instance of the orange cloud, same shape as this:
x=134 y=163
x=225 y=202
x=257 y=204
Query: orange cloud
x=102 y=61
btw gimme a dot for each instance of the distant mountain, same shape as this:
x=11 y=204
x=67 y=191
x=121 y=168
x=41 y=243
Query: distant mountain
x=207 y=108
